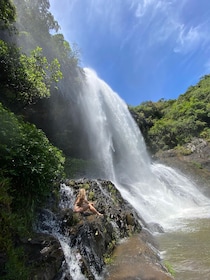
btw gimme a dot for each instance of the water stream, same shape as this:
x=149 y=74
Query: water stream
x=187 y=249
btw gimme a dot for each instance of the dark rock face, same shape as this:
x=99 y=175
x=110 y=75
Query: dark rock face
x=44 y=255
x=92 y=237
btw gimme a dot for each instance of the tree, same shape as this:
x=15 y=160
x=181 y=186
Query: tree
x=26 y=79
x=35 y=24
x=7 y=13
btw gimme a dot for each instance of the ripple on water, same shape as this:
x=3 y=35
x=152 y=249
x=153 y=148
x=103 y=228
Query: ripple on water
x=188 y=250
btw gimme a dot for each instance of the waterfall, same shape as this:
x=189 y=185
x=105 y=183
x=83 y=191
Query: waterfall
x=159 y=193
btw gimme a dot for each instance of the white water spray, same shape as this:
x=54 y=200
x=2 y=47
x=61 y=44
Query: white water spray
x=157 y=192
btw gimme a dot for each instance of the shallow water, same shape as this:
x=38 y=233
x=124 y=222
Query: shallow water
x=132 y=259
x=187 y=249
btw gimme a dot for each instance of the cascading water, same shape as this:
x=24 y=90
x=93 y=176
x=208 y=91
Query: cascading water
x=50 y=224
x=158 y=193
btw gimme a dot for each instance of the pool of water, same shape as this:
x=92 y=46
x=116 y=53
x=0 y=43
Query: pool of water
x=187 y=249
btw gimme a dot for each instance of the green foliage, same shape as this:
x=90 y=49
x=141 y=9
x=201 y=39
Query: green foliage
x=35 y=18
x=146 y=115
x=167 y=124
x=26 y=78
x=15 y=266
x=108 y=260
x=5 y=214
x=183 y=150
x=7 y=13
x=11 y=226
x=28 y=159
x=63 y=49
x=109 y=257
x=91 y=195
x=169 y=268
x=86 y=186
x=206 y=134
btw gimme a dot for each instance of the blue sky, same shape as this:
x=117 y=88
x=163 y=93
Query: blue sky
x=144 y=50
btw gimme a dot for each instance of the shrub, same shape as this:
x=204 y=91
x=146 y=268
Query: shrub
x=28 y=159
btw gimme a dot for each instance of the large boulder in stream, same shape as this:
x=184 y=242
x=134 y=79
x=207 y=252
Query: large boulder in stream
x=90 y=240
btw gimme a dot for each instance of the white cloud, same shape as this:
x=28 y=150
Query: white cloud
x=166 y=22
x=150 y=23
x=143 y=7
x=188 y=40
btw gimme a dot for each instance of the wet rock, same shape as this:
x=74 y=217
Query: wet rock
x=155 y=227
x=44 y=255
x=130 y=219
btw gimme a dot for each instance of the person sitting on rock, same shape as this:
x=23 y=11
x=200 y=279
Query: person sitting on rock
x=82 y=204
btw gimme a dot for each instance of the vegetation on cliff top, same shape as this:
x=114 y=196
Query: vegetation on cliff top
x=167 y=124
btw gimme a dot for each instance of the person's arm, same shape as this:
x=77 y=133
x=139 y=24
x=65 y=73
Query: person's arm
x=88 y=202
x=77 y=201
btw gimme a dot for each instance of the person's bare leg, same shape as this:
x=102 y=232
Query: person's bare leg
x=78 y=209
x=93 y=210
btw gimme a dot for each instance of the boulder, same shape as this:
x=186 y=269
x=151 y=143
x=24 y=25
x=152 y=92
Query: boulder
x=44 y=256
